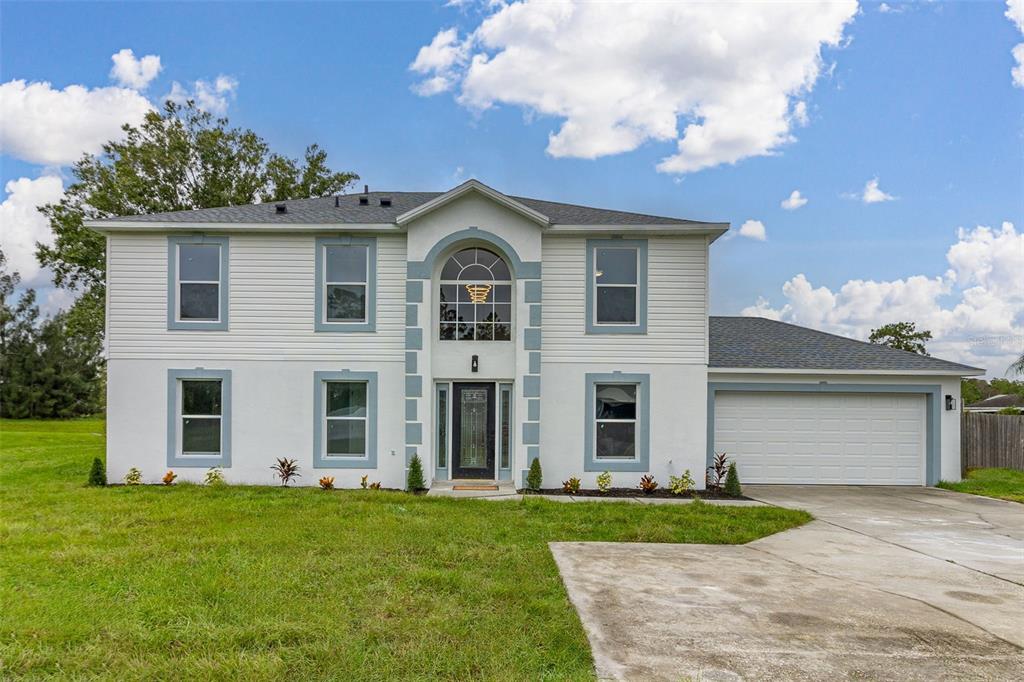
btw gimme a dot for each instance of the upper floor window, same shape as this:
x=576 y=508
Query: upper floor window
x=476 y=297
x=198 y=283
x=617 y=286
x=345 y=284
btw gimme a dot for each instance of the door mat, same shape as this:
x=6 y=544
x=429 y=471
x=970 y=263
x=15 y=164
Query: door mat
x=474 y=487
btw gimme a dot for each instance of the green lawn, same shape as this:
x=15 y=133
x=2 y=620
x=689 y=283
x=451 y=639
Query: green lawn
x=257 y=583
x=1006 y=484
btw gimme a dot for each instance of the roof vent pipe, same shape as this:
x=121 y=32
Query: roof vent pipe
x=280 y=208
x=366 y=189
x=337 y=201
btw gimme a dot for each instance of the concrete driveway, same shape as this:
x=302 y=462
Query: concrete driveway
x=886 y=583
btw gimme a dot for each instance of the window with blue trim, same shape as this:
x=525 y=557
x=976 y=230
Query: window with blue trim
x=197 y=278
x=345 y=420
x=616 y=286
x=198 y=417
x=345 y=284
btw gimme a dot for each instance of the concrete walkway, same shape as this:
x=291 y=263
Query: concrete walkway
x=887 y=583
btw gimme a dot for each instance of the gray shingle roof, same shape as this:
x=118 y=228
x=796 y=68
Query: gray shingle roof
x=759 y=343
x=323 y=211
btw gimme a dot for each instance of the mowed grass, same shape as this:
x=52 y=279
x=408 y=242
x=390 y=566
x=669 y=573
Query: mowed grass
x=1005 y=484
x=260 y=583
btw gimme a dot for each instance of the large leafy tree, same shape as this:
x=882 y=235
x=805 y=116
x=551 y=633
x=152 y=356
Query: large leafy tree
x=180 y=158
x=902 y=336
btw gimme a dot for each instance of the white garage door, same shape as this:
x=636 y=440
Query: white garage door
x=857 y=438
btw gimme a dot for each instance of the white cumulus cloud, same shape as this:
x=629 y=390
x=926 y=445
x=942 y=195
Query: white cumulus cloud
x=735 y=75
x=873 y=194
x=974 y=309
x=213 y=97
x=44 y=125
x=1015 y=13
x=23 y=225
x=753 y=229
x=134 y=73
x=794 y=201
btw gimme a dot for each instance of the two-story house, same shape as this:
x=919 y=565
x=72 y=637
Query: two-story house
x=482 y=331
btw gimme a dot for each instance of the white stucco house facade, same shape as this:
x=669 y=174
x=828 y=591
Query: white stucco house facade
x=481 y=331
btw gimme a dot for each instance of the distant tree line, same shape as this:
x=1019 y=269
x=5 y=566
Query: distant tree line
x=47 y=368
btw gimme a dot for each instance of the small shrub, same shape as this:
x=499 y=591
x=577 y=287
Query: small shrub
x=214 y=476
x=680 y=485
x=169 y=477
x=714 y=477
x=535 y=478
x=414 y=480
x=133 y=477
x=98 y=473
x=604 y=481
x=732 y=481
x=571 y=486
x=375 y=485
x=363 y=482
x=648 y=484
x=1011 y=411
x=286 y=469
x=327 y=482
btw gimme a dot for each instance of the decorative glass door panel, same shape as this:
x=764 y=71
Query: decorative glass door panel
x=473 y=431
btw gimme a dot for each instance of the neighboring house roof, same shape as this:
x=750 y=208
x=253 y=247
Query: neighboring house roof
x=346 y=209
x=998 y=402
x=759 y=343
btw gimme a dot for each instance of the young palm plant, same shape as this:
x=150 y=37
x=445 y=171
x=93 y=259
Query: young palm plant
x=286 y=469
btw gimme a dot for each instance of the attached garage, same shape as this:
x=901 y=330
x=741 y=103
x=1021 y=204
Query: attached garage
x=818 y=438
x=794 y=405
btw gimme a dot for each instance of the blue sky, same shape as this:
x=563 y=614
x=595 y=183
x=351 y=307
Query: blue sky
x=920 y=98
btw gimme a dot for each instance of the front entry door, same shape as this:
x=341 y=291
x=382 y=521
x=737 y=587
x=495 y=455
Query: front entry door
x=473 y=431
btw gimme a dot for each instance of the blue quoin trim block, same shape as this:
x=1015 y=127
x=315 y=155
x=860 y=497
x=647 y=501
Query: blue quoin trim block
x=410 y=362
x=410 y=409
x=531 y=386
x=533 y=410
x=531 y=339
x=534 y=362
x=643 y=427
x=413 y=338
x=933 y=406
x=641 y=277
x=535 y=315
x=173 y=323
x=321 y=460
x=413 y=386
x=533 y=291
x=531 y=433
x=413 y=291
x=174 y=456
x=320 y=322
x=413 y=433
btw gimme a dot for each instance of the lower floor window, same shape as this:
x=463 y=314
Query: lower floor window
x=615 y=417
x=201 y=416
x=346 y=416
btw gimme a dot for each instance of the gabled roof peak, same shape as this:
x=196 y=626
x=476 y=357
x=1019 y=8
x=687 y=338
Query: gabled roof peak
x=474 y=185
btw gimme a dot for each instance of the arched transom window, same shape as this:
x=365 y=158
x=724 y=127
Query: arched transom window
x=476 y=297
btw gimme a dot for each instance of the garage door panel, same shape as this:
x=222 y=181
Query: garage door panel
x=823 y=437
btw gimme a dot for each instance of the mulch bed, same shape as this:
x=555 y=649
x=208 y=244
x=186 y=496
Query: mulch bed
x=636 y=492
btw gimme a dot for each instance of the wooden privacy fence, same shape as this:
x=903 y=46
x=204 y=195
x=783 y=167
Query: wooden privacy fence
x=991 y=440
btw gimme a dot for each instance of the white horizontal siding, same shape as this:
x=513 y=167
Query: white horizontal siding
x=272 y=293
x=676 y=313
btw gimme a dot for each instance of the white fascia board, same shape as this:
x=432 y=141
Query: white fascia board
x=473 y=186
x=849 y=372
x=108 y=226
x=714 y=230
